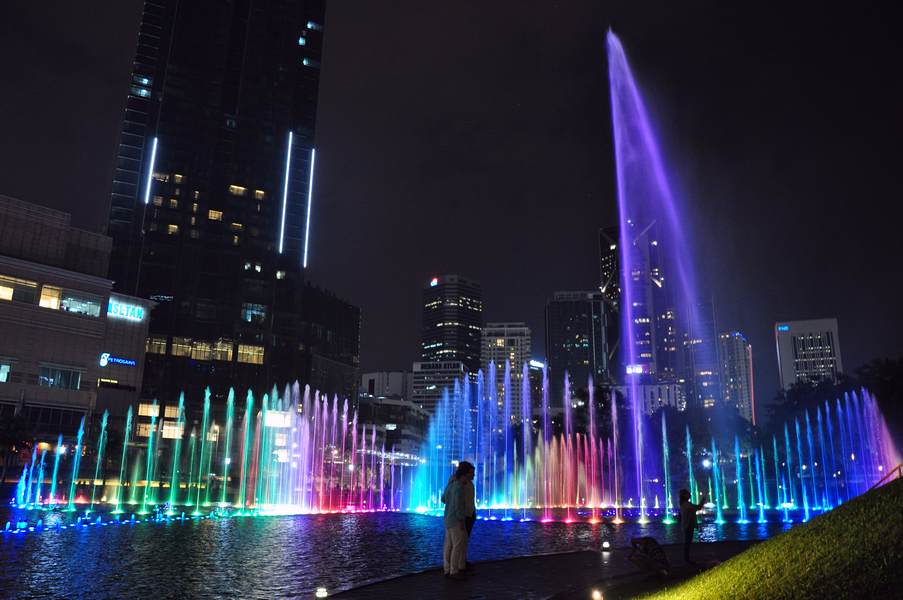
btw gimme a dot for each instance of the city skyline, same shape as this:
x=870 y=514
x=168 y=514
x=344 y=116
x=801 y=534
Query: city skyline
x=769 y=282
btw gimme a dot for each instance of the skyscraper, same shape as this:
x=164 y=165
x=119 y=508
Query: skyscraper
x=506 y=342
x=735 y=358
x=808 y=351
x=452 y=321
x=211 y=198
x=702 y=371
x=576 y=325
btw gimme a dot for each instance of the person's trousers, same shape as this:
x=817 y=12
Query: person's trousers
x=454 y=552
x=688 y=539
x=469 y=524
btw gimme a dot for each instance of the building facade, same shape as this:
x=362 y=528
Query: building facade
x=212 y=194
x=70 y=347
x=429 y=379
x=387 y=383
x=452 y=321
x=576 y=340
x=737 y=388
x=506 y=343
x=808 y=351
x=702 y=370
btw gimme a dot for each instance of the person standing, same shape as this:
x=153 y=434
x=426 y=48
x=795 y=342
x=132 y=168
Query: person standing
x=454 y=551
x=688 y=521
x=470 y=501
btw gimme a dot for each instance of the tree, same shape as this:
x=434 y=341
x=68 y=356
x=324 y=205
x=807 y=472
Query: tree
x=16 y=442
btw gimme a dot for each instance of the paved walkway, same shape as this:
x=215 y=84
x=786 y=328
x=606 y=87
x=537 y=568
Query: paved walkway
x=558 y=576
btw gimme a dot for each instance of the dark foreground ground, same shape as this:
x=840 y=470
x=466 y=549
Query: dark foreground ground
x=563 y=576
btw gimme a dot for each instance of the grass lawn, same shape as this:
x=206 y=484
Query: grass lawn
x=853 y=551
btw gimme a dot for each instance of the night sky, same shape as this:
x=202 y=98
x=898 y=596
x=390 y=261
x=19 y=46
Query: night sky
x=474 y=138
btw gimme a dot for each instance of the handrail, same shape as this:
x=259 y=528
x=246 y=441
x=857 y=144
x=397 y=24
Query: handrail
x=898 y=471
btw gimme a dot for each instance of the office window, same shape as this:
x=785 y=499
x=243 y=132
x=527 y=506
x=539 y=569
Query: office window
x=253 y=313
x=50 y=297
x=280 y=274
x=171 y=411
x=181 y=346
x=155 y=345
x=140 y=91
x=259 y=194
x=148 y=409
x=237 y=190
x=235 y=240
x=194 y=206
x=67 y=379
x=177 y=178
x=80 y=304
x=158 y=200
x=215 y=215
x=222 y=350
x=173 y=431
x=20 y=290
x=201 y=350
x=173 y=203
x=237 y=226
x=144 y=430
x=250 y=354
x=5 y=368
x=172 y=229
x=162 y=177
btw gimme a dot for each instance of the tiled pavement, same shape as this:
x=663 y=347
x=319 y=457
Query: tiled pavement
x=560 y=576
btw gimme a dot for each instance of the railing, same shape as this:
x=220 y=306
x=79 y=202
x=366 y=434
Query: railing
x=896 y=472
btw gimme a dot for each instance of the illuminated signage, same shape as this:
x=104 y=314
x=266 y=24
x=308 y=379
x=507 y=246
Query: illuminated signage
x=635 y=369
x=783 y=327
x=434 y=282
x=123 y=310
x=537 y=364
x=107 y=359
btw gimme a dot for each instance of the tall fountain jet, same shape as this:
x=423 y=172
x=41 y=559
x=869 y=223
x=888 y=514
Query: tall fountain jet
x=648 y=219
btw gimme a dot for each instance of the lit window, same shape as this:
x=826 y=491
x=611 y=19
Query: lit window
x=259 y=194
x=54 y=377
x=253 y=313
x=20 y=290
x=222 y=350
x=302 y=41
x=258 y=267
x=237 y=190
x=173 y=203
x=248 y=266
x=172 y=431
x=50 y=297
x=155 y=345
x=177 y=178
x=158 y=200
x=194 y=221
x=144 y=430
x=314 y=25
x=171 y=411
x=309 y=62
x=164 y=177
x=181 y=346
x=4 y=372
x=140 y=91
x=80 y=304
x=234 y=240
x=172 y=229
x=142 y=79
x=196 y=194
x=250 y=354
x=194 y=207
x=280 y=274
x=237 y=226
x=215 y=215
x=201 y=350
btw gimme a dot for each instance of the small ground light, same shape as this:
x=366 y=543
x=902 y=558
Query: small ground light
x=321 y=593
x=606 y=545
x=597 y=595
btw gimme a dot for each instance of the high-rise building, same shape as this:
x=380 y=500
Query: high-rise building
x=452 y=321
x=576 y=341
x=396 y=384
x=210 y=208
x=429 y=379
x=808 y=351
x=735 y=358
x=609 y=263
x=506 y=342
x=702 y=371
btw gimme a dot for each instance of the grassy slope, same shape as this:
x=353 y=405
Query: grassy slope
x=854 y=551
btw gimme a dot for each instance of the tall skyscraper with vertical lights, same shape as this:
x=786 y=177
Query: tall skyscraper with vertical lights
x=511 y=343
x=452 y=321
x=737 y=389
x=576 y=339
x=211 y=200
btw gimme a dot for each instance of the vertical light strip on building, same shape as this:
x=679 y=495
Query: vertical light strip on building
x=288 y=166
x=150 y=171
x=310 y=201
